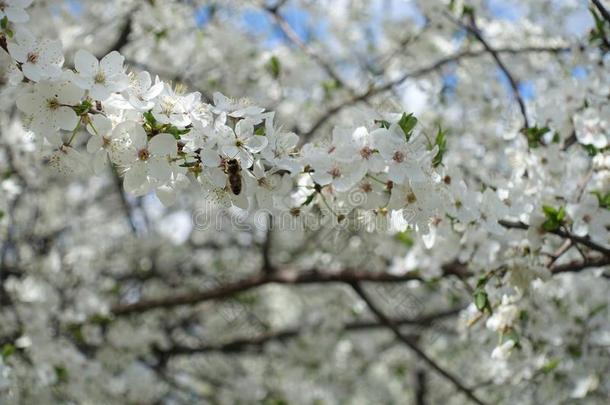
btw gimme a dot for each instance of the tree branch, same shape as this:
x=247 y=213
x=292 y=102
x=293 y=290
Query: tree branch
x=583 y=240
x=576 y=266
x=305 y=137
x=244 y=344
x=476 y=32
x=284 y=277
x=413 y=346
x=603 y=11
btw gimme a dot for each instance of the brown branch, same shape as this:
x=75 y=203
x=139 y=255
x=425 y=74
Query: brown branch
x=603 y=11
x=244 y=344
x=294 y=38
x=123 y=37
x=421 y=385
x=267 y=247
x=411 y=344
x=288 y=277
x=125 y=205
x=583 y=240
x=476 y=32
x=284 y=277
x=576 y=266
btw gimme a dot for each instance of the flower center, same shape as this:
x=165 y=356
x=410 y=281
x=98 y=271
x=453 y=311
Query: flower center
x=143 y=154
x=239 y=143
x=335 y=172
x=398 y=157
x=53 y=103
x=32 y=57
x=366 y=152
x=411 y=197
x=100 y=77
x=366 y=187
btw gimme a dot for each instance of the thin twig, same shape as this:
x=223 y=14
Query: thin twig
x=256 y=342
x=603 y=11
x=583 y=240
x=305 y=137
x=414 y=346
x=474 y=30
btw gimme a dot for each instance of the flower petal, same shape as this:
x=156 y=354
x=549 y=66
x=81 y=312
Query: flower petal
x=85 y=63
x=162 y=145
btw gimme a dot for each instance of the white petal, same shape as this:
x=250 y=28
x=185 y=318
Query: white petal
x=240 y=201
x=17 y=15
x=159 y=169
x=99 y=161
x=30 y=103
x=99 y=92
x=94 y=144
x=256 y=143
x=85 y=63
x=230 y=151
x=217 y=177
x=210 y=158
x=18 y=52
x=163 y=144
x=99 y=125
x=112 y=63
x=244 y=129
x=138 y=137
x=66 y=118
x=31 y=71
x=68 y=93
x=134 y=178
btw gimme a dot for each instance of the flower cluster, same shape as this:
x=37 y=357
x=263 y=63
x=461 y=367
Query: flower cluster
x=163 y=139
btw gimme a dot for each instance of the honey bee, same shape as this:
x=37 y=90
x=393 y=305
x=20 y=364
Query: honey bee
x=233 y=170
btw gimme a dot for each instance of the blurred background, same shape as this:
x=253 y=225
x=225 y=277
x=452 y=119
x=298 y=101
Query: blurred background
x=75 y=249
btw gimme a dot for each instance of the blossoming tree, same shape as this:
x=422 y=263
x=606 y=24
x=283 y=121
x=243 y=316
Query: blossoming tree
x=400 y=202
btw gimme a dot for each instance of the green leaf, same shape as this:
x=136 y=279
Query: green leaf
x=4 y=22
x=550 y=365
x=383 y=123
x=481 y=299
x=150 y=118
x=99 y=319
x=309 y=199
x=7 y=351
x=1 y=214
x=602 y=199
x=62 y=374
x=83 y=108
x=330 y=86
x=554 y=217
x=468 y=11
x=441 y=142
x=260 y=130
x=273 y=67
x=511 y=334
x=591 y=150
x=405 y=238
x=176 y=132
x=535 y=135
x=407 y=123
